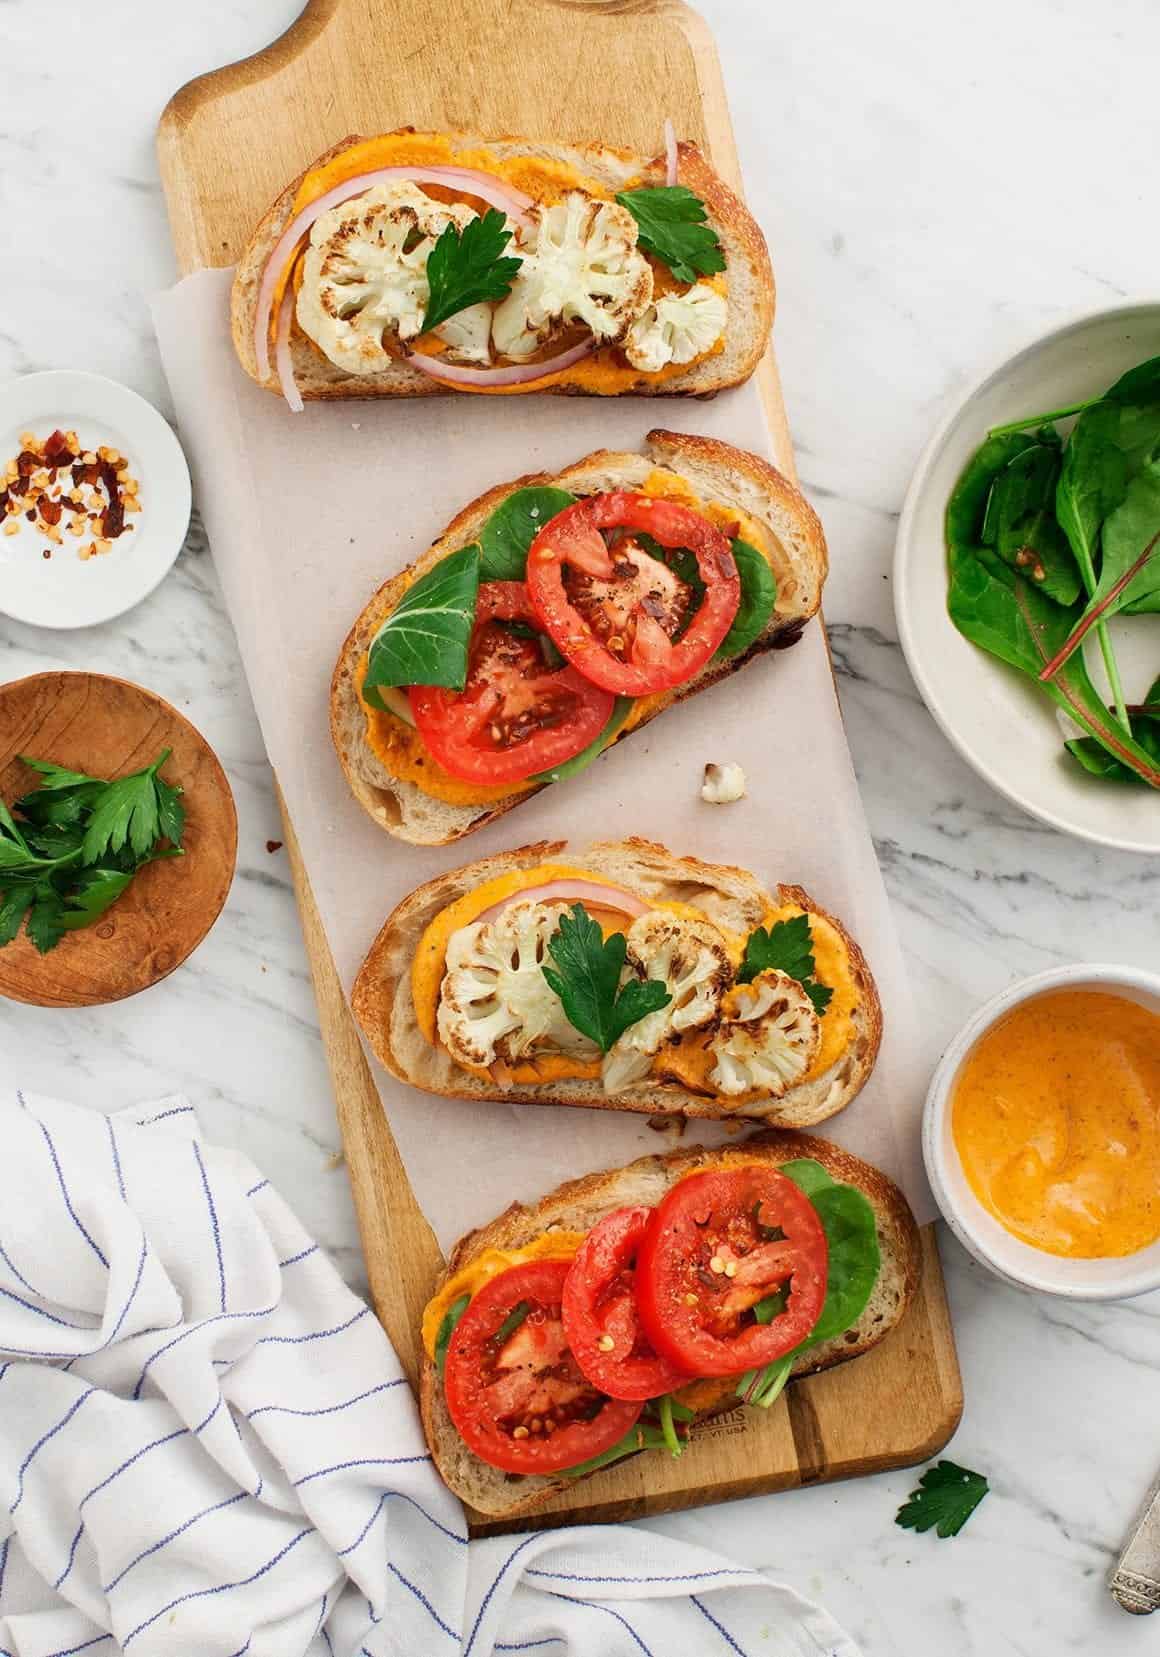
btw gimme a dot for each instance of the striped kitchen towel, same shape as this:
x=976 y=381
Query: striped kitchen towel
x=207 y=1446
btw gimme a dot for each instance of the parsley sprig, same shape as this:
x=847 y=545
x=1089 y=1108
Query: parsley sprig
x=467 y=267
x=787 y=947
x=671 y=225
x=586 y=977
x=69 y=848
x=946 y=1497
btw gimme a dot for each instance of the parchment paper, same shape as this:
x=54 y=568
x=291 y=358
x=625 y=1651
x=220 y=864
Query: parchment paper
x=307 y=514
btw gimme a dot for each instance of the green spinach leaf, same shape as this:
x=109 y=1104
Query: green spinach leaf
x=1005 y=499
x=853 y=1266
x=425 y=639
x=1129 y=577
x=621 y=709
x=513 y=526
x=758 y=597
x=447 y=1328
x=1145 y=718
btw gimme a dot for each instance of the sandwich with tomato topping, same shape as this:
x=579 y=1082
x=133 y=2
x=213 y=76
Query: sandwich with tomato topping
x=422 y=262
x=621 y=977
x=558 y=614
x=616 y=1313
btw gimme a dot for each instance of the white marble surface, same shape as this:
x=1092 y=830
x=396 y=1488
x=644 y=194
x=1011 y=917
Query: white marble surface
x=934 y=182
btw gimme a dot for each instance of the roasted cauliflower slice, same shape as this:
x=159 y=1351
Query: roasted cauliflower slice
x=580 y=264
x=494 y=1002
x=768 y=1037
x=691 y=958
x=676 y=328
x=364 y=279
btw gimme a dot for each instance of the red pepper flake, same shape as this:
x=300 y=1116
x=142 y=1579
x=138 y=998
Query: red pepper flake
x=86 y=474
x=47 y=553
x=31 y=514
x=113 y=518
x=58 y=451
x=274 y=845
x=49 y=511
x=27 y=463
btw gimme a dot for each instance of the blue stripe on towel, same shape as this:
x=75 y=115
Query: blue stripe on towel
x=318 y=1335
x=218 y=1317
x=220 y=1588
x=116 y=1157
x=423 y=1600
x=74 y=1216
x=327 y=1409
x=155 y=1547
x=720 y=1627
x=213 y=1218
x=42 y=1441
x=483 y=1604
x=369 y=1461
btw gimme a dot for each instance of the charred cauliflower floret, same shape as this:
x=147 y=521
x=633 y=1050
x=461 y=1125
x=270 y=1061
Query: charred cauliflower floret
x=495 y=1002
x=580 y=264
x=364 y=279
x=676 y=328
x=691 y=958
x=768 y=1037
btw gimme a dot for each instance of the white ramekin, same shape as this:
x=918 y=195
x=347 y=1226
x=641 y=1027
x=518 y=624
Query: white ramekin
x=976 y=1229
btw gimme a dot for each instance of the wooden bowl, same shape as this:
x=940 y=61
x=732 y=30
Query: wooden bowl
x=108 y=727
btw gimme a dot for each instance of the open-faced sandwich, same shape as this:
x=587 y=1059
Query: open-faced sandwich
x=620 y=1310
x=624 y=978
x=557 y=614
x=423 y=262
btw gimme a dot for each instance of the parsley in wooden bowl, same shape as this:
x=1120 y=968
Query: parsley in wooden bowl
x=118 y=839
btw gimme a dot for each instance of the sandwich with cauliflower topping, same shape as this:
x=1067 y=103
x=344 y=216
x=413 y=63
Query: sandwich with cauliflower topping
x=621 y=977
x=420 y=262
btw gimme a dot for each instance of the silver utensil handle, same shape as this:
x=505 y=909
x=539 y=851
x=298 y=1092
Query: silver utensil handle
x=1135 y=1581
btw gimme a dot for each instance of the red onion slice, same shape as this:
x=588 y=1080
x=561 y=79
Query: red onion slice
x=670 y=154
x=512 y=374
x=282 y=357
x=484 y=185
x=578 y=891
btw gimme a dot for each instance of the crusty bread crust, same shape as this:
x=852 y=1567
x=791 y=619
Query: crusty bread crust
x=718 y=472
x=750 y=275
x=384 y=1006
x=581 y=1203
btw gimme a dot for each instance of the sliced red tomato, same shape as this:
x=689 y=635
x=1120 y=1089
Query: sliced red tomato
x=515 y=716
x=717 y=1244
x=517 y=1394
x=600 y=1314
x=619 y=614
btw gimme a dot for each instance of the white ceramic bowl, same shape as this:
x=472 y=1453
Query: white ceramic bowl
x=66 y=591
x=1001 y=724
x=976 y=1229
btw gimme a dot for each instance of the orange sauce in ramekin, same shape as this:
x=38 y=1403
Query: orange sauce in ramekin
x=1056 y=1119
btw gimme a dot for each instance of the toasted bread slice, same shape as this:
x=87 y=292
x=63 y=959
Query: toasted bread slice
x=581 y=1203
x=733 y=898
x=718 y=472
x=748 y=270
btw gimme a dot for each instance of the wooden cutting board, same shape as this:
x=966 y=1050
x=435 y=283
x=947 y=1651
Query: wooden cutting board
x=609 y=70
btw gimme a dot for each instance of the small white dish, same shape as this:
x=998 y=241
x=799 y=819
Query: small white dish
x=65 y=590
x=1001 y=724
x=977 y=1230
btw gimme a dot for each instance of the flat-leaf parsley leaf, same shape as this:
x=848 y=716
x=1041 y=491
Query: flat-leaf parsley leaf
x=946 y=1497
x=467 y=267
x=671 y=224
x=587 y=980
x=787 y=947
